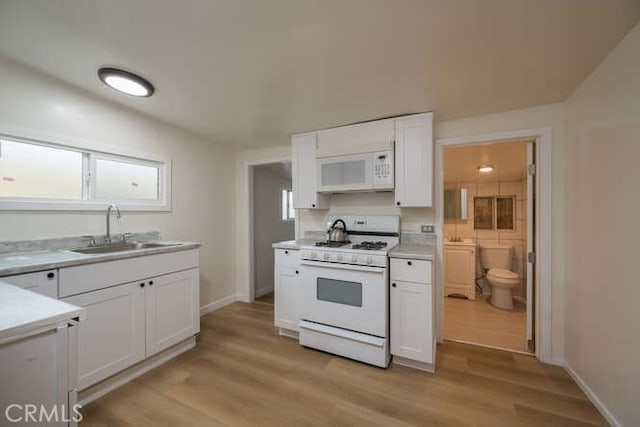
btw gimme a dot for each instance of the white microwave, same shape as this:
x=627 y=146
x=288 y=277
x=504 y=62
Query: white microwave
x=357 y=172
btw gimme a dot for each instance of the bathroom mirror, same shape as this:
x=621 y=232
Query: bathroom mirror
x=455 y=204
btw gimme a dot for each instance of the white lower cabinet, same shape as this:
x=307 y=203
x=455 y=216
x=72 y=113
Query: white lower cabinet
x=127 y=323
x=112 y=337
x=172 y=309
x=287 y=290
x=411 y=314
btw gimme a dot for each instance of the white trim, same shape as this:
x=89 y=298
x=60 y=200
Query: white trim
x=86 y=148
x=246 y=291
x=543 y=218
x=604 y=411
x=216 y=305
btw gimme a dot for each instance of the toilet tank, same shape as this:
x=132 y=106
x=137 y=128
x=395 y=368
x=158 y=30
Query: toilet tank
x=496 y=256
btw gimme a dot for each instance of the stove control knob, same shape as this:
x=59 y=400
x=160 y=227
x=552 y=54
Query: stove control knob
x=354 y=258
x=369 y=260
x=339 y=257
x=312 y=255
x=326 y=255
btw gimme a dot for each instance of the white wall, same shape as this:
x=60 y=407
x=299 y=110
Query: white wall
x=603 y=237
x=268 y=226
x=203 y=174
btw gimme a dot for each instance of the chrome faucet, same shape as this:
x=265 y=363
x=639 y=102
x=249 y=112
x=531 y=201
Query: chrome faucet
x=109 y=209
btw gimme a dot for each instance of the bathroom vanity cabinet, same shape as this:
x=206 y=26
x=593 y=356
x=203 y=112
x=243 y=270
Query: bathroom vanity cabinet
x=460 y=269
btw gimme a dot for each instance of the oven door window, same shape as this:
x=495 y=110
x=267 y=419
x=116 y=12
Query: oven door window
x=339 y=291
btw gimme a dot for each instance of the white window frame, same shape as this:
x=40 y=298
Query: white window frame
x=88 y=203
x=282 y=214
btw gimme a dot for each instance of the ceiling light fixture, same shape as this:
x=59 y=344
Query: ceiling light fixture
x=485 y=168
x=125 y=82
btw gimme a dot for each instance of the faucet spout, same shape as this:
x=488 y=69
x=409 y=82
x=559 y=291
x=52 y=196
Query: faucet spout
x=110 y=209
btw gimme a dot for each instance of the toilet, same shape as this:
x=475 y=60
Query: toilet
x=496 y=259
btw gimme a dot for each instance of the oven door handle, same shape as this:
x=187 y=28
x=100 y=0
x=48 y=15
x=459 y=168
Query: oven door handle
x=336 y=265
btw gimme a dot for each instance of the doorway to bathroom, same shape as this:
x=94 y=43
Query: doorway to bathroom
x=488 y=234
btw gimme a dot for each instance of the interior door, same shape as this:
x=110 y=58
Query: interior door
x=531 y=255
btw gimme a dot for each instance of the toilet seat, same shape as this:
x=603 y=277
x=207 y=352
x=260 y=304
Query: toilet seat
x=500 y=273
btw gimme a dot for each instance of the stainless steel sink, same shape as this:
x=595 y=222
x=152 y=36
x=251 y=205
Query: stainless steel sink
x=121 y=247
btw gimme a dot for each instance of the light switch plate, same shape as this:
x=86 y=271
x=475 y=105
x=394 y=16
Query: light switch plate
x=428 y=229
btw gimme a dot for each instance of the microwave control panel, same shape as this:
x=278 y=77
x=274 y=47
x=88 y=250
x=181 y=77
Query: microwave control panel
x=383 y=169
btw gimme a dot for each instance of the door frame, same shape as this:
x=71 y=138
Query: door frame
x=249 y=289
x=543 y=218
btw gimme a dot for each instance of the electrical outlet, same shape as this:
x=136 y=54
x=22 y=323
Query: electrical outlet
x=428 y=229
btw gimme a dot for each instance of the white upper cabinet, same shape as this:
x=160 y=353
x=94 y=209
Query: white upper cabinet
x=304 y=176
x=414 y=161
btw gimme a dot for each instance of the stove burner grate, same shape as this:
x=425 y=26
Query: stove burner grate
x=330 y=244
x=370 y=246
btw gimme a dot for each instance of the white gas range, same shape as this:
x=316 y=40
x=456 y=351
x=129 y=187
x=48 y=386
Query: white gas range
x=345 y=290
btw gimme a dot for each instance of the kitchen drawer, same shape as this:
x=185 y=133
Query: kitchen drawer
x=41 y=282
x=287 y=258
x=410 y=270
x=89 y=277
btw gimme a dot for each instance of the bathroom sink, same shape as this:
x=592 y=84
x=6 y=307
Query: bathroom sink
x=121 y=247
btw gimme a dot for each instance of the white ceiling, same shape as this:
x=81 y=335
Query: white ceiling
x=509 y=160
x=248 y=73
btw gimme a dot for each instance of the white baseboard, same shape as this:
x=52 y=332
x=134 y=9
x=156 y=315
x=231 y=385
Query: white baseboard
x=213 y=306
x=592 y=397
x=263 y=290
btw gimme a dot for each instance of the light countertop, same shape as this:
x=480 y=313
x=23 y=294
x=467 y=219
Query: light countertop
x=22 y=311
x=25 y=262
x=413 y=251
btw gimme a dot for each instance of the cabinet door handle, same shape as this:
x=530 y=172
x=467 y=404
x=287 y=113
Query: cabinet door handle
x=313 y=205
x=286 y=252
x=151 y=283
x=142 y=285
x=397 y=203
x=393 y=284
x=297 y=272
x=51 y=275
x=409 y=262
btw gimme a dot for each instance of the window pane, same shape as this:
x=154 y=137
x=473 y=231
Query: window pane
x=116 y=180
x=292 y=212
x=28 y=170
x=284 y=209
x=483 y=213
x=504 y=213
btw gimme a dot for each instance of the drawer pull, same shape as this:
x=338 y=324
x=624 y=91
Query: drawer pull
x=393 y=284
x=409 y=262
x=51 y=275
x=142 y=285
x=151 y=283
x=286 y=252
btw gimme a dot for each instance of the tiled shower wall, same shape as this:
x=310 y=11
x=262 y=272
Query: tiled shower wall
x=516 y=238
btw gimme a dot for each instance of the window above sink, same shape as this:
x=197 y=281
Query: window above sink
x=39 y=175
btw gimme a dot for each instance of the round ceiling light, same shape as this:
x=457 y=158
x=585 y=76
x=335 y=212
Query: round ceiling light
x=485 y=168
x=125 y=82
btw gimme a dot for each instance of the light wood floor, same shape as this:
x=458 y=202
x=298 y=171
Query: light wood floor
x=243 y=374
x=481 y=323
